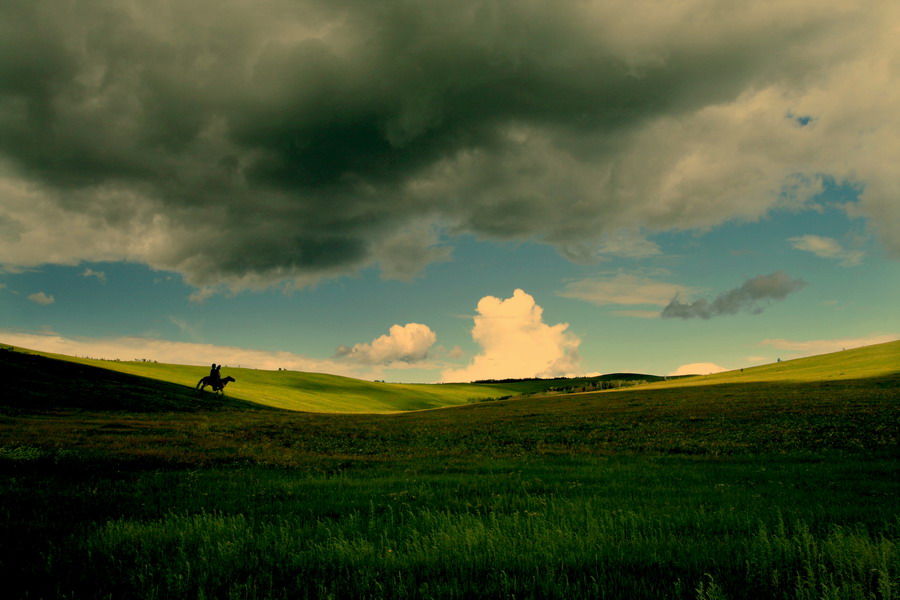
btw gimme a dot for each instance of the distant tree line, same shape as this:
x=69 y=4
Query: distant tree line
x=592 y=385
x=600 y=384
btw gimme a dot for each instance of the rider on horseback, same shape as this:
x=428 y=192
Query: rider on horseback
x=214 y=376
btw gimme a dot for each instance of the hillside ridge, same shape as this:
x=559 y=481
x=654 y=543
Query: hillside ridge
x=37 y=377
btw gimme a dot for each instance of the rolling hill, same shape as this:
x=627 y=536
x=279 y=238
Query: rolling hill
x=36 y=379
x=858 y=363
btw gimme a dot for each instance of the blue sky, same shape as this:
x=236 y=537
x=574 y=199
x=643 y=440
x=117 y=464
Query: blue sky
x=96 y=305
x=406 y=192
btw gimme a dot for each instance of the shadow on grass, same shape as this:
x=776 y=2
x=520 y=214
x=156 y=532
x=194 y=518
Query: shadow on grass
x=34 y=383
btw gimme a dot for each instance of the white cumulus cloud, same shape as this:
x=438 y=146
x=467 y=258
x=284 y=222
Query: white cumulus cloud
x=516 y=343
x=701 y=368
x=404 y=343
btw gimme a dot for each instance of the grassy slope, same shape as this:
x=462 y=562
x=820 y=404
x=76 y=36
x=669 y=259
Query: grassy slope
x=859 y=363
x=315 y=392
x=318 y=392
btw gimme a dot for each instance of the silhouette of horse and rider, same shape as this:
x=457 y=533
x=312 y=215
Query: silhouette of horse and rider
x=214 y=379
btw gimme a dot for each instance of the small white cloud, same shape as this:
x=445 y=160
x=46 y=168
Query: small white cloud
x=623 y=289
x=408 y=343
x=701 y=368
x=825 y=247
x=100 y=275
x=515 y=342
x=41 y=298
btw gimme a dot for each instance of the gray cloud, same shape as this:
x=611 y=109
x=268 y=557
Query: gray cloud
x=750 y=297
x=252 y=143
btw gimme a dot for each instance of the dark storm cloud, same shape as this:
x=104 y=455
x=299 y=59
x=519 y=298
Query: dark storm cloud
x=750 y=297
x=253 y=142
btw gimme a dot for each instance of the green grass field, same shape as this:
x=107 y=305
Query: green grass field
x=317 y=392
x=776 y=482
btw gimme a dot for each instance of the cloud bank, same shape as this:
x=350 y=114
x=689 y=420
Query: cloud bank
x=516 y=343
x=291 y=141
x=750 y=297
x=404 y=346
x=184 y=353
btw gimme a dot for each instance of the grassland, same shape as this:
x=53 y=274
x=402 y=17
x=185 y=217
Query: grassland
x=318 y=392
x=778 y=482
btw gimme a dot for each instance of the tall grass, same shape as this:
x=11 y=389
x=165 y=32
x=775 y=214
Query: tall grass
x=772 y=527
x=845 y=563
x=563 y=551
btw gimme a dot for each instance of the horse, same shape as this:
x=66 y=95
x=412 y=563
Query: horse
x=218 y=387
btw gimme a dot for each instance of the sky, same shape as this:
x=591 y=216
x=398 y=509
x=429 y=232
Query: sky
x=433 y=192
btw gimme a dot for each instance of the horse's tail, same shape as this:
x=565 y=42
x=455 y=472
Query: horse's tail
x=201 y=383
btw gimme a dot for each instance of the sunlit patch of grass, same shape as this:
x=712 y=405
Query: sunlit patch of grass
x=874 y=361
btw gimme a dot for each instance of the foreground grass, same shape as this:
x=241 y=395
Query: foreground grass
x=552 y=527
x=137 y=510
x=736 y=490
